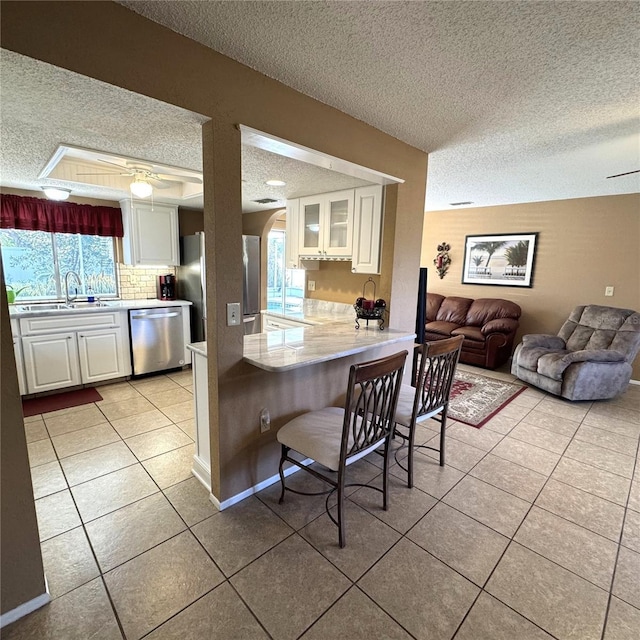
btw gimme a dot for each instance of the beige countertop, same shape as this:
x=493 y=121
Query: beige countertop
x=31 y=309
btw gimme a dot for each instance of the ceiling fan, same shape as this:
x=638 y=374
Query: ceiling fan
x=144 y=174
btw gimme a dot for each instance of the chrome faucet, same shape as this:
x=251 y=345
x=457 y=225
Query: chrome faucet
x=67 y=297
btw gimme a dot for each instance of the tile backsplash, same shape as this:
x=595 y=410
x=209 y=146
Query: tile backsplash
x=139 y=283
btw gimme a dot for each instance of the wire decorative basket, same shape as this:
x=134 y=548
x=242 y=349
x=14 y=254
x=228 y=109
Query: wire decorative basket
x=370 y=308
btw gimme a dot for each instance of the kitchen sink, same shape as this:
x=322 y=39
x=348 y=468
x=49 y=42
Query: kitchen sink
x=85 y=305
x=43 y=307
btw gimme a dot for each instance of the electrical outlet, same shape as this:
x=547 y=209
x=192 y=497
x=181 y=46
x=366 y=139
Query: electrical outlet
x=265 y=420
x=233 y=314
x=608 y=291
x=311 y=285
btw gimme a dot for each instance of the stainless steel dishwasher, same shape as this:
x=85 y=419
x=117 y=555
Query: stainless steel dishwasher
x=157 y=341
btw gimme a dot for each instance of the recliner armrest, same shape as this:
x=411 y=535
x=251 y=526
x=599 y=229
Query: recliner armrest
x=499 y=325
x=594 y=355
x=543 y=340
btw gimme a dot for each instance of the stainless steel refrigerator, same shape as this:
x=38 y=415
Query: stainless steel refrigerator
x=191 y=279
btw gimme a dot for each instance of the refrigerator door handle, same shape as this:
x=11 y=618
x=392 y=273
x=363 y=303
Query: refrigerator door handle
x=247 y=319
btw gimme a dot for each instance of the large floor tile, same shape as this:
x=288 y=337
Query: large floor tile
x=183 y=378
x=497 y=509
x=527 y=455
x=47 y=479
x=458 y=454
x=191 y=500
x=86 y=416
x=501 y=424
x=132 y=530
x=489 y=619
x=116 y=392
x=634 y=494
x=367 y=539
x=172 y=467
x=40 y=452
x=153 y=443
x=429 y=476
x=405 y=506
x=35 y=431
x=75 y=442
x=149 y=589
x=583 y=508
x=551 y=422
x=125 y=408
x=616 y=411
x=179 y=412
x=623 y=621
x=169 y=397
x=219 y=615
x=631 y=530
x=293 y=578
x=97 y=462
x=81 y=614
x=515 y=411
x=602 y=458
x=113 y=491
x=140 y=423
x=510 y=477
x=232 y=543
x=597 y=481
x=614 y=425
x=540 y=437
x=56 y=514
x=356 y=617
x=484 y=439
x=156 y=384
x=626 y=584
x=460 y=542
x=421 y=593
x=569 y=545
x=608 y=440
x=68 y=562
x=562 y=603
x=564 y=408
x=189 y=427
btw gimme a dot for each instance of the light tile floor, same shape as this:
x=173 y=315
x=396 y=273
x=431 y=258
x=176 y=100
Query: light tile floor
x=531 y=531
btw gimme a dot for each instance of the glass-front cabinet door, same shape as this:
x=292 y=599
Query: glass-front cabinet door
x=310 y=237
x=339 y=224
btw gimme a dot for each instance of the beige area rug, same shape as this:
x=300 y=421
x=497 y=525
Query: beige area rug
x=475 y=399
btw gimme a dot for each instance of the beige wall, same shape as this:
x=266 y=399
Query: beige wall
x=583 y=246
x=20 y=558
x=231 y=94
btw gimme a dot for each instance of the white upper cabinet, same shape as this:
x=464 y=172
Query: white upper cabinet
x=367 y=230
x=150 y=234
x=291 y=244
x=326 y=225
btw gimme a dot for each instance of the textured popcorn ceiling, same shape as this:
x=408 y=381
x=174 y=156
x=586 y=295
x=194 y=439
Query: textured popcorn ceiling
x=514 y=101
x=43 y=106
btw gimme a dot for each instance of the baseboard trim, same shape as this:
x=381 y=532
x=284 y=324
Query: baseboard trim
x=24 y=609
x=634 y=381
x=225 y=504
x=202 y=472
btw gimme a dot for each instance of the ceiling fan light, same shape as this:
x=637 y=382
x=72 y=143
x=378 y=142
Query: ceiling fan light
x=55 y=193
x=141 y=188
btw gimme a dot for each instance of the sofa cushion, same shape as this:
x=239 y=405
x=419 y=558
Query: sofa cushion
x=553 y=365
x=434 y=300
x=441 y=328
x=483 y=310
x=500 y=325
x=529 y=356
x=454 y=310
x=469 y=333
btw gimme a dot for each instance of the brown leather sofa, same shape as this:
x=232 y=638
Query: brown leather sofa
x=488 y=326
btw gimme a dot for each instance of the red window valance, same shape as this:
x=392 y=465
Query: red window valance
x=35 y=214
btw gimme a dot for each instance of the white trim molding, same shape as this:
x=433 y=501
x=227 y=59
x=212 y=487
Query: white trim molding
x=24 y=609
x=634 y=381
x=257 y=487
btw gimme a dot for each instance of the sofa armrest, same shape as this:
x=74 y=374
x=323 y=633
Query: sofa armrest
x=594 y=355
x=543 y=340
x=499 y=325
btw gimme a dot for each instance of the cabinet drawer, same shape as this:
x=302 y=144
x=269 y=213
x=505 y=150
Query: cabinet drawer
x=53 y=323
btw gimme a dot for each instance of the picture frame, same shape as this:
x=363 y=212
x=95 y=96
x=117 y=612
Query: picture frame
x=502 y=259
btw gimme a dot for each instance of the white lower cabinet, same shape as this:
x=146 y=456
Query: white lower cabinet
x=101 y=355
x=51 y=361
x=17 y=350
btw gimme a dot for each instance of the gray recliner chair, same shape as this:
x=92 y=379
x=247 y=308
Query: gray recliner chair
x=589 y=359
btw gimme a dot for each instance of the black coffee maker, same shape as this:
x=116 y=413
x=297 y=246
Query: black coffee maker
x=167 y=287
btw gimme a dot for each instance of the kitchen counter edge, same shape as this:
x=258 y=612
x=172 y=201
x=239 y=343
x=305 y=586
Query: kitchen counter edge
x=111 y=305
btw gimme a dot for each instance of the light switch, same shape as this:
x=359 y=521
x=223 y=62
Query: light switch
x=311 y=285
x=608 y=291
x=233 y=314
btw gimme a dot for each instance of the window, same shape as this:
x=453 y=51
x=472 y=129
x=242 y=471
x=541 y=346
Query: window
x=285 y=287
x=39 y=260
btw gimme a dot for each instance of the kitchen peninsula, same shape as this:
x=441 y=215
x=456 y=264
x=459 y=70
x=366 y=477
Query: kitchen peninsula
x=310 y=364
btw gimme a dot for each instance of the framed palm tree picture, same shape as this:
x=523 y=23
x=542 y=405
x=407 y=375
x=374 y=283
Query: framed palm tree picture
x=501 y=259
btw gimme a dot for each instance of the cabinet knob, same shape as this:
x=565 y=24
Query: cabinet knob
x=319 y=250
